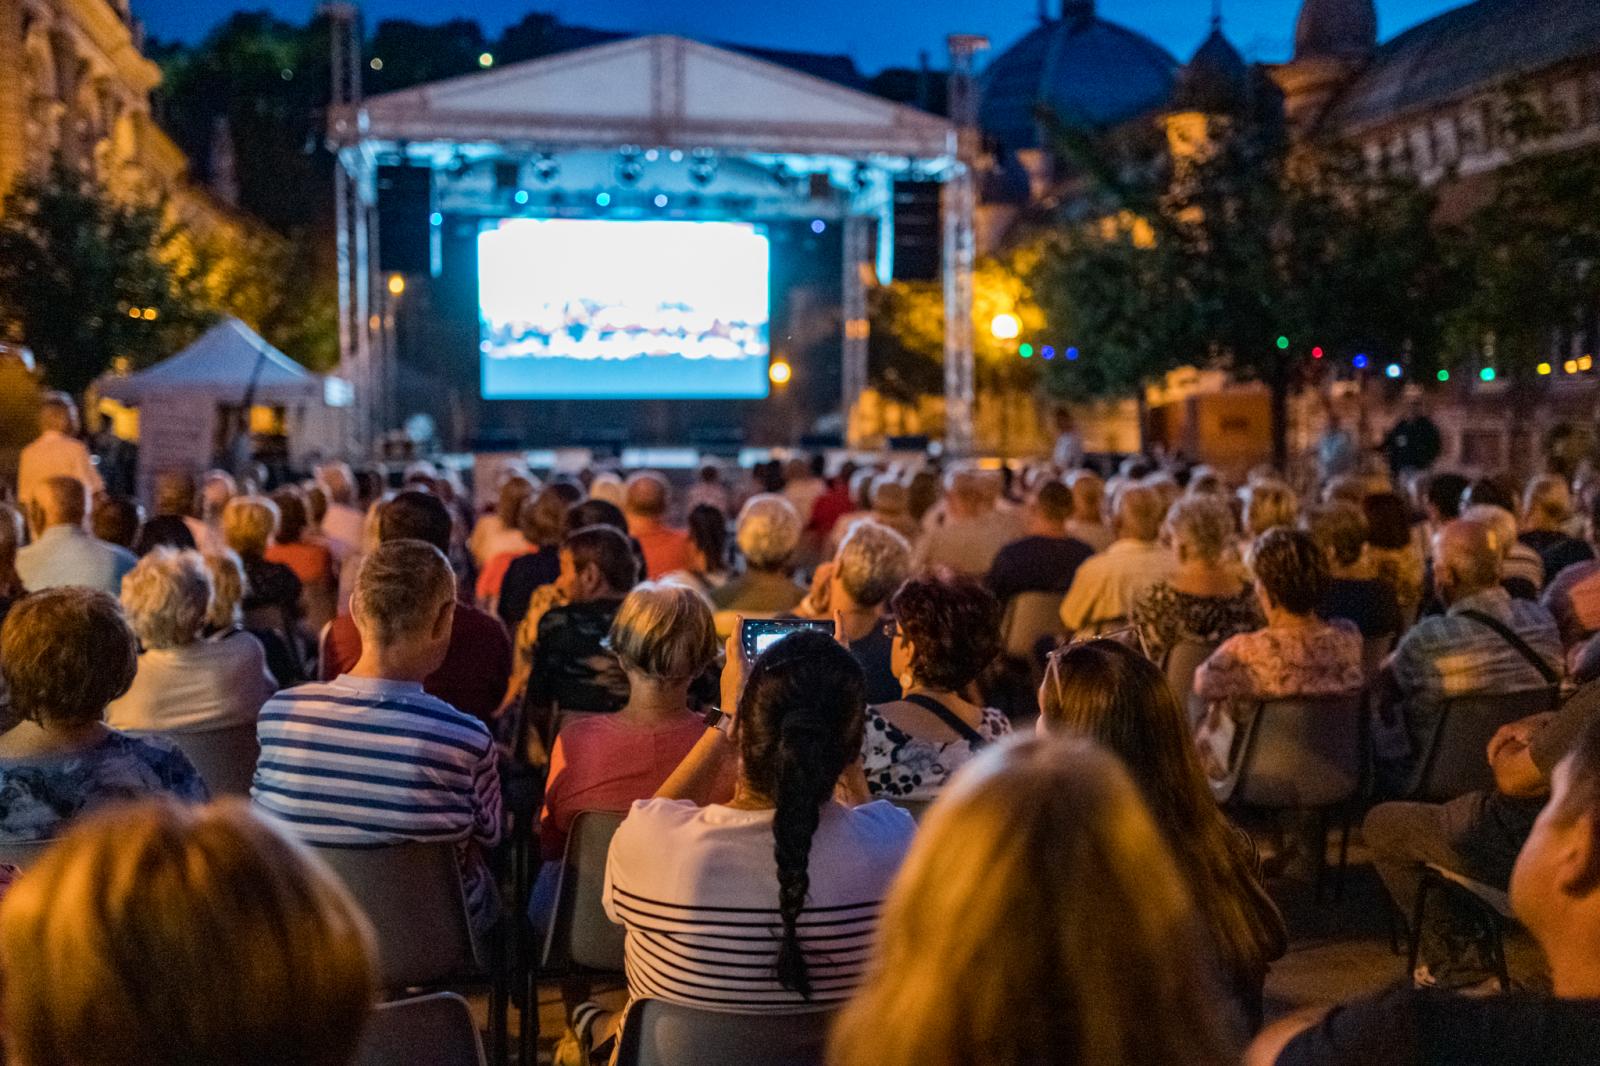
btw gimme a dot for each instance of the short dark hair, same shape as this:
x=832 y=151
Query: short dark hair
x=1054 y=501
x=609 y=550
x=1489 y=490
x=1444 y=493
x=65 y=653
x=708 y=531
x=1388 y=520
x=1340 y=528
x=597 y=513
x=953 y=623
x=116 y=520
x=416 y=515
x=1291 y=568
x=292 y=517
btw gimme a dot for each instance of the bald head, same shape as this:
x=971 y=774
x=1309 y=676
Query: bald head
x=60 y=501
x=645 y=495
x=1466 y=559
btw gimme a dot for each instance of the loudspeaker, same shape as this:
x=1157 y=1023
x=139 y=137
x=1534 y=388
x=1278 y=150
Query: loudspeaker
x=405 y=231
x=918 y=234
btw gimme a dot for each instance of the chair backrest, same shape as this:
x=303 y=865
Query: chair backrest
x=916 y=808
x=436 y=1029
x=581 y=936
x=1301 y=753
x=666 y=1034
x=1182 y=662
x=1030 y=617
x=413 y=896
x=1454 y=762
x=22 y=853
x=226 y=758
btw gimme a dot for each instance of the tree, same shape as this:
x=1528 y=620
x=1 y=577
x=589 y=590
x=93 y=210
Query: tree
x=85 y=280
x=1244 y=242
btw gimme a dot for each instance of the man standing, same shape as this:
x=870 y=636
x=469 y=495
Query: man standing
x=56 y=451
x=1413 y=443
x=63 y=552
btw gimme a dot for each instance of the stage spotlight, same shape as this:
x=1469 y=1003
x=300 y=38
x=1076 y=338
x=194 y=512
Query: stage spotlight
x=397 y=284
x=817 y=225
x=780 y=372
x=861 y=178
x=436 y=219
x=485 y=60
x=652 y=155
x=630 y=168
x=1005 y=327
x=546 y=169
x=660 y=200
x=703 y=167
x=521 y=197
x=676 y=155
x=603 y=200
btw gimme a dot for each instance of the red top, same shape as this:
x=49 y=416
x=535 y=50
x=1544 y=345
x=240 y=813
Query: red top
x=665 y=549
x=311 y=563
x=475 y=672
x=829 y=508
x=493 y=574
x=604 y=763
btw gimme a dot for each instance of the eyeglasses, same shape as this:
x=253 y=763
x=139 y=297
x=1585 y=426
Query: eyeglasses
x=1131 y=635
x=891 y=628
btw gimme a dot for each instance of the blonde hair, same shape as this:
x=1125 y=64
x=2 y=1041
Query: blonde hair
x=1039 y=853
x=399 y=589
x=664 y=632
x=167 y=597
x=227 y=589
x=1139 y=511
x=248 y=523
x=1547 y=502
x=156 y=934
x=1268 y=505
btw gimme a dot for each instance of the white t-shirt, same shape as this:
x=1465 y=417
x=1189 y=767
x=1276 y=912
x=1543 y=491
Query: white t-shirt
x=196 y=687
x=696 y=889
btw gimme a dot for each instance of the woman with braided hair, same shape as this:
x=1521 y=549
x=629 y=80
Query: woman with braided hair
x=768 y=903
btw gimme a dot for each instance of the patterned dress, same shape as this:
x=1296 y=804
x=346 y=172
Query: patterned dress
x=1320 y=659
x=38 y=796
x=901 y=766
x=1167 y=617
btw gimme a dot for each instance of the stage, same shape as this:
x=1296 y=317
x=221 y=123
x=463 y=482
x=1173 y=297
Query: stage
x=648 y=241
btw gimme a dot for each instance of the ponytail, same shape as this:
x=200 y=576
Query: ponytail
x=800 y=725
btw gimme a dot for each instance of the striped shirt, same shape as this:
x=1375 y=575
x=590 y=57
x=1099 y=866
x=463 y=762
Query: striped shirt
x=364 y=762
x=696 y=890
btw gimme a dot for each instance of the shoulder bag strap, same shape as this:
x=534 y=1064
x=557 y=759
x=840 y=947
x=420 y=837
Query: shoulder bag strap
x=949 y=718
x=1510 y=636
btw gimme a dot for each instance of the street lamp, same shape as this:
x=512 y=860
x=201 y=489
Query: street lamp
x=780 y=372
x=1005 y=327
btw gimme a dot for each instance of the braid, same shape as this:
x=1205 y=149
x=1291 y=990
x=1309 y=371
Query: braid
x=802 y=788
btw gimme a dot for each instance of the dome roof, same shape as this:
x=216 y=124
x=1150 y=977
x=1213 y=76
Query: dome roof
x=1090 y=72
x=1336 y=28
x=1216 y=81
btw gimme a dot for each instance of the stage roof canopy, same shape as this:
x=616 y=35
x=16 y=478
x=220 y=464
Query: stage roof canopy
x=659 y=91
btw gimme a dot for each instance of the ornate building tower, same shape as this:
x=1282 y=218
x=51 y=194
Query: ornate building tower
x=1333 y=41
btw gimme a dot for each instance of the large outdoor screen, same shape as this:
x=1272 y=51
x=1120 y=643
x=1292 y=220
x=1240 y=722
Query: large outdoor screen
x=598 y=309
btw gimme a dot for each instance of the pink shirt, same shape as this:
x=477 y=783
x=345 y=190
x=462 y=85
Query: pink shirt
x=605 y=763
x=665 y=549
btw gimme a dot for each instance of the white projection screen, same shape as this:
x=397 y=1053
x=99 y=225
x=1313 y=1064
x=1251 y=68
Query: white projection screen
x=597 y=309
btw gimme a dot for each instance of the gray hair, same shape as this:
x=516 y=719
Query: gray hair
x=873 y=560
x=665 y=632
x=1201 y=526
x=1267 y=505
x=166 y=598
x=769 y=531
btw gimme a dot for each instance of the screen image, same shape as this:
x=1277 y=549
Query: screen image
x=601 y=309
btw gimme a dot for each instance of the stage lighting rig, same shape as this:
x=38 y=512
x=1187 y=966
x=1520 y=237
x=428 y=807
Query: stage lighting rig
x=703 y=167
x=546 y=168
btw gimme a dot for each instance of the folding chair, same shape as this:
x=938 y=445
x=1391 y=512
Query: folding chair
x=226 y=758
x=1489 y=905
x=436 y=1029
x=23 y=853
x=1030 y=617
x=412 y=894
x=1303 y=754
x=1453 y=761
x=1180 y=664
x=656 y=1033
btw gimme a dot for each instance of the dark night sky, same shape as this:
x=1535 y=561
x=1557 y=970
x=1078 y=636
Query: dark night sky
x=877 y=33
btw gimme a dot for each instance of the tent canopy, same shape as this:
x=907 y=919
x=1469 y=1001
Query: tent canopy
x=221 y=365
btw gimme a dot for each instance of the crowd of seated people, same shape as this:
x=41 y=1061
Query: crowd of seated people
x=1074 y=895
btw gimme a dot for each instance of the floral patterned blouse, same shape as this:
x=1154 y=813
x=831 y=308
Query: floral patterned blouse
x=1319 y=659
x=901 y=766
x=39 y=795
x=1166 y=617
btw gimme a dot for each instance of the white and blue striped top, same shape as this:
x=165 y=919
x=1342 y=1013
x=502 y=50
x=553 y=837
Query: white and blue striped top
x=363 y=762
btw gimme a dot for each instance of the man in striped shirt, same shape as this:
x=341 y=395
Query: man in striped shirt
x=369 y=758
